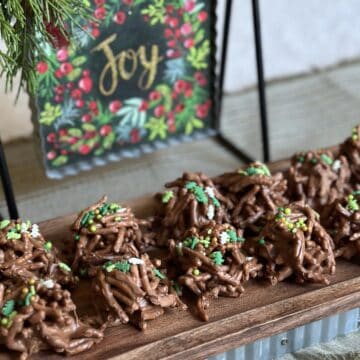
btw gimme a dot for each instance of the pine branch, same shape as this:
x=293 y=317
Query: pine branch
x=24 y=26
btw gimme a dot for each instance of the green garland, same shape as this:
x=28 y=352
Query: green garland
x=22 y=24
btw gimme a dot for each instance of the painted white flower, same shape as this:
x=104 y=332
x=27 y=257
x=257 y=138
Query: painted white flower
x=336 y=165
x=224 y=238
x=48 y=283
x=210 y=191
x=211 y=212
x=35 y=231
x=136 y=261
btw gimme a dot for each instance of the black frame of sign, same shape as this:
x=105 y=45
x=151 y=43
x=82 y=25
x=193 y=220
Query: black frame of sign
x=219 y=136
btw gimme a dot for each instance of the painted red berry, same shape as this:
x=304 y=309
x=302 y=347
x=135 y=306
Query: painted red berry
x=171 y=43
x=201 y=111
x=188 y=93
x=73 y=140
x=51 y=137
x=63 y=132
x=80 y=103
x=172 y=54
x=62 y=54
x=85 y=84
x=66 y=68
x=172 y=127
x=120 y=17
x=189 y=43
x=128 y=2
x=169 y=8
x=100 y=13
x=174 y=22
x=76 y=94
x=86 y=73
x=58 y=74
x=178 y=34
x=42 y=67
x=70 y=85
x=59 y=89
x=95 y=32
x=154 y=96
x=58 y=98
x=134 y=136
x=179 y=108
x=99 y=2
x=202 y=16
x=92 y=105
x=84 y=149
x=186 y=29
x=159 y=111
x=51 y=155
x=144 y=106
x=168 y=33
x=115 y=106
x=63 y=152
x=105 y=130
x=189 y=5
x=180 y=86
x=200 y=78
x=86 y=118
x=89 y=135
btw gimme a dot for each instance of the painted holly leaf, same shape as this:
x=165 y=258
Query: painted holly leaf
x=76 y=73
x=192 y=124
x=109 y=141
x=75 y=132
x=88 y=127
x=50 y=114
x=157 y=128
x=197 y=55
x=156 y=12
x=60 y=160
x=68 y=116
x=8 y=308
x=166 y=92
x=174 y=69
x=130 y=114
x=78 y=61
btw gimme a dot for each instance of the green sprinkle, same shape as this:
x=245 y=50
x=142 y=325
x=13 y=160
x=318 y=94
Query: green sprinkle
x=4 y=321
x=118 y=218
x=356 y=192
x=64 y=266
x=217 y=257
x=314 y=161
x=241 y=239
x=92 y=228
x=300 y=159
x=326 y=159
x=196 y=272
x=257 y=169
x=159 y=274
x=83 y=272
x=13 y=235
x=8 y=308
x=205 y=242
x=77 y=237
x=168 y=195
x=122 y=266
x=191 y=185
x=232 y=235
x=176 y=287
x=28 y=298
x=198 y=191
x=4 y=224
x=84 y=219
x=191 y=242
x=114 y=206
x=262 y=241
x=48 y=246
x=287 y=211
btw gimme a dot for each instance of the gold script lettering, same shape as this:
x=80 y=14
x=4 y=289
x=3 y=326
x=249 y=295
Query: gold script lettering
x=125 y=64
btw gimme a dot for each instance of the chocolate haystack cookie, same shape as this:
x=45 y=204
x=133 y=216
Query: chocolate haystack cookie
x=294 y=243
x=128 y=285
x=318 y=178
x=105 y=232
x=342 y=219
x=25 y=254
x=210 y=263
x=351 y=150
x=39 y=315
x=192 y=200
x=133 y=289
x=255 y=193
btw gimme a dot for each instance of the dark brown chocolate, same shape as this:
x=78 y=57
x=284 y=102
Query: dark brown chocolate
x=192 y=200
x=293 y=243
x=210 y=263
x=255 y=193
x=39 y=315
x=318 y=178
x=342 y=220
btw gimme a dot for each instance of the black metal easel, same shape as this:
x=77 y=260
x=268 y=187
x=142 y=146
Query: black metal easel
x=4 y=171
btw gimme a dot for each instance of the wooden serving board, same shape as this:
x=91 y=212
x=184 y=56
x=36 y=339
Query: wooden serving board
x=262 y=311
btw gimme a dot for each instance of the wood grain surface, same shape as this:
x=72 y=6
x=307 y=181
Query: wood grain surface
x=262 y=311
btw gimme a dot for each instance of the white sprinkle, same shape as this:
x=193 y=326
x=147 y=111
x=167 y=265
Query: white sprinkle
x=24 y=228
x=48 y=283
x=210 y=191
x=224 y=237
x=248 y=258
x=35 y=231
x=136 y=261
x=211 y=212
x=336 y=165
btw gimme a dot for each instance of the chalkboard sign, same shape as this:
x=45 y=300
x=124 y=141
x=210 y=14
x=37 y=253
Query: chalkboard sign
x=137 y=76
